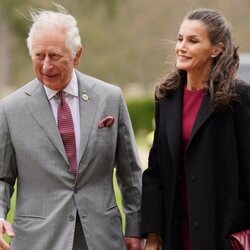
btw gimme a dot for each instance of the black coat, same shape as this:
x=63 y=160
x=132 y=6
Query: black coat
x=217 y=165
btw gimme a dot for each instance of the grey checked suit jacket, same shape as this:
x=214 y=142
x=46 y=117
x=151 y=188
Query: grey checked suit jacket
x=48 y=195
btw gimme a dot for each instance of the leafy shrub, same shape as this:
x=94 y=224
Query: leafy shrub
x=141 y=113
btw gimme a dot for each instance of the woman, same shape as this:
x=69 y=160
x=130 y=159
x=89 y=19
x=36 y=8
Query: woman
x=196 y=188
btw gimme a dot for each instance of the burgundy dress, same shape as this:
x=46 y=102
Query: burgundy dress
x=191 y=104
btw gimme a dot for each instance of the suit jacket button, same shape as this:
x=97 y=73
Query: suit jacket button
x=71 y=217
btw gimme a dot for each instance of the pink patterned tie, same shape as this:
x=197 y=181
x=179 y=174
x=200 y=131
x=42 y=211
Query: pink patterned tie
x=66 y=128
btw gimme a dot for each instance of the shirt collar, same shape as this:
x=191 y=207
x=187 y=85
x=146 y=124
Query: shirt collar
x=71 y=88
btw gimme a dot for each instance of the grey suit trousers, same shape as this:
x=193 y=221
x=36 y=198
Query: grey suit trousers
x=79 y=238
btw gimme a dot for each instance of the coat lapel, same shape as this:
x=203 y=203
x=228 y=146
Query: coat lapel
x=88 y=108
x=38 y=105
x=204 y=113
x=173 y=111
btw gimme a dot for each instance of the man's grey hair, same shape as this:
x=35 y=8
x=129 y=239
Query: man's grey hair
x=60 y=19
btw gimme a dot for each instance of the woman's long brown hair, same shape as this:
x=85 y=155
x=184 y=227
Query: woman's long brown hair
x=221 y=80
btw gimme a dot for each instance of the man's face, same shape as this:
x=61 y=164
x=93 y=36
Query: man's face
x=52 y=60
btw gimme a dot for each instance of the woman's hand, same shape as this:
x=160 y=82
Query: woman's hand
x=153 y=242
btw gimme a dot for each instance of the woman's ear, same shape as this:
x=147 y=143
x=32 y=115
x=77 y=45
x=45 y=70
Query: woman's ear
x=218 y=48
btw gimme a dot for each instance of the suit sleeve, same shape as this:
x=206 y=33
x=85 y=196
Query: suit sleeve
x=242 y=123
x=7 y=165
x=152 y=188
x=128 y=171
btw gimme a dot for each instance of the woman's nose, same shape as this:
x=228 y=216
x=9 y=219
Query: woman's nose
x=182 y=45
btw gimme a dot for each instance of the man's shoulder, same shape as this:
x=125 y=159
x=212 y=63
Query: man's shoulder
x=21 y=92
x=98 y=85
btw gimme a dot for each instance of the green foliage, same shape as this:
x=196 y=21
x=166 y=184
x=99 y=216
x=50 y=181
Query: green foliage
x=124 y=41
x=10 y=12
x=110 y=6
x=141 y=113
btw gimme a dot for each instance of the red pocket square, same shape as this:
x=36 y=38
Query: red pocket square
x=106 y=122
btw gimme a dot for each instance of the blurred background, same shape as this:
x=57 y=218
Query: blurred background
x=126 y=42
x=129 y=43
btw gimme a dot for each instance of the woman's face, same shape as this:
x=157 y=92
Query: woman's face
x=193 y=49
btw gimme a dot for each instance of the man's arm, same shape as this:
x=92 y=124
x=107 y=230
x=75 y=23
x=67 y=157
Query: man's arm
x=129 y=177
x=7 y=177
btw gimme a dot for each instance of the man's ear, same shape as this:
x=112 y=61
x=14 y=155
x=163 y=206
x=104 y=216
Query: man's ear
x=218 y=49
x=78 y=56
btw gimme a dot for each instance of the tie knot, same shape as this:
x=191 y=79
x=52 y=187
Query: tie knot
x=61 y=95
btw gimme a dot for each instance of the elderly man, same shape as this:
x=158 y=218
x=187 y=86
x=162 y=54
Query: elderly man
x=61 y=136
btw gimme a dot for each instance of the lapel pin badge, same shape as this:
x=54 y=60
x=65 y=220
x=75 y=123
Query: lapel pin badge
x=85 y=96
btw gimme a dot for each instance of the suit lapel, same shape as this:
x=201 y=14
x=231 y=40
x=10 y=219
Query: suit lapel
x=173 y=111
x=88 y=108
x=38 y=105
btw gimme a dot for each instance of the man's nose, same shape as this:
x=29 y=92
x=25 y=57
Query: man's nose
x=47 y=65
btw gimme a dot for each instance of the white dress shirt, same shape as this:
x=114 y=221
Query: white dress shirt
x=72 y=98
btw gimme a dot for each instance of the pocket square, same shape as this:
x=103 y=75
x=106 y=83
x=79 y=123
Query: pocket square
x=106 y=122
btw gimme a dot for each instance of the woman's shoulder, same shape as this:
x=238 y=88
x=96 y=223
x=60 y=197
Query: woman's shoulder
x=242 y=89
x=241 y=85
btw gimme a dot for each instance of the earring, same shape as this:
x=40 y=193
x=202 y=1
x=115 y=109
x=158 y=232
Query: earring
x=213 y=56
